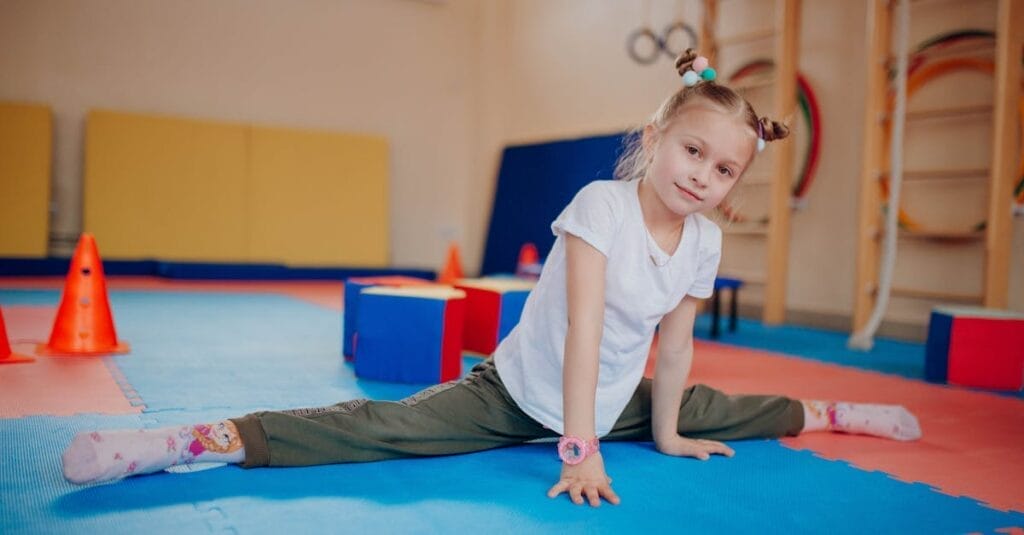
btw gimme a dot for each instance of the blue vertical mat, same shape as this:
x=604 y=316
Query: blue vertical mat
x=535 y=183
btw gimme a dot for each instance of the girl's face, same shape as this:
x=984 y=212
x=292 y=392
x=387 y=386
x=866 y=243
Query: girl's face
x=698 y=158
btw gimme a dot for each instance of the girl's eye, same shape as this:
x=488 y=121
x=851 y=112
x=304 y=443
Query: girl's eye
x=692 y=150
x=725 y=171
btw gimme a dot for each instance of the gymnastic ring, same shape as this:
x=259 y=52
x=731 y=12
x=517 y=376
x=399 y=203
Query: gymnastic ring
x=667 y=34
x=635 y=38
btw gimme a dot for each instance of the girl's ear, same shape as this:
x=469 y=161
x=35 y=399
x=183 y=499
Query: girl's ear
x=649 y=140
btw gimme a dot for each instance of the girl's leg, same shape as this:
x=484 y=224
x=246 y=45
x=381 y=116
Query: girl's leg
x=109 y=455
x=890 y=421
x=473 y=414
x=710 y=414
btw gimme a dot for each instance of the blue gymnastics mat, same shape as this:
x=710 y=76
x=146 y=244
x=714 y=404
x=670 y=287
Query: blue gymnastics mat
x=535 y=182
x=207 y=356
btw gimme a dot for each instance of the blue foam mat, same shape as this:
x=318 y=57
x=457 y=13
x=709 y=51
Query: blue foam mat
x=766 y=487
x=206 y=356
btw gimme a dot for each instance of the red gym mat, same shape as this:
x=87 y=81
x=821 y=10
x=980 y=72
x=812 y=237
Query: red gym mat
x=972 y=440
x=57 y=386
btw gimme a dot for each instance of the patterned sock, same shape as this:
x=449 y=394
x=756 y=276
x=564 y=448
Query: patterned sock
x=111 y=455
x=888 y=421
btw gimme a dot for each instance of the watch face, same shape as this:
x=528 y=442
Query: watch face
x=571 y=450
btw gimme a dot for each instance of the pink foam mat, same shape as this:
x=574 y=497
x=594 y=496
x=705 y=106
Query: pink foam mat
x=57 y=386
x=972 y=443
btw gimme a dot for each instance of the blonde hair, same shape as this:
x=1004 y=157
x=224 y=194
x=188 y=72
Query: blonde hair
x=632 y=163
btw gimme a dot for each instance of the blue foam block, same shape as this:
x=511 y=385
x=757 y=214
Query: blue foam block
x=936 y=361
x=351 y=312
x=512 y=304
x=400 y=338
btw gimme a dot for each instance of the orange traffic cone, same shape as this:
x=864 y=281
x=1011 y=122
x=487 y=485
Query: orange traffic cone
x=84 y=324
x=6 y=355
x=528 y=265
x=452 y=268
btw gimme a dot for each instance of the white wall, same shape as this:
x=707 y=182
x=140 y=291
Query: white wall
x=566 y=73
x=405 y=70
x=450 y=83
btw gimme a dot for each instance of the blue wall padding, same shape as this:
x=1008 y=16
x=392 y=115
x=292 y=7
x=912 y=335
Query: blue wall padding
x=20 y=267
x=512 y=304
x=535 y=183
x=936 y=359
x=400 y=338
x=38 y=267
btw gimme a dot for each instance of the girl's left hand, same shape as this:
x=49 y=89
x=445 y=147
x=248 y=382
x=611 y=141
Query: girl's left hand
x=680 y=446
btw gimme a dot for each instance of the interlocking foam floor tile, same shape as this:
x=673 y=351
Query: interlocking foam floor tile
x=972 y=440
x=192 y=351
x=766 y=487
x=54 y=385
x=202 y=357
x=32 y=488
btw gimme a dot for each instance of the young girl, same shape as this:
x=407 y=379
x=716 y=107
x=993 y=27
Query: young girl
x=630 y=255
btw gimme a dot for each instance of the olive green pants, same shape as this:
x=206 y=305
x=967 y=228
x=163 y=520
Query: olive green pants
x=477 y=413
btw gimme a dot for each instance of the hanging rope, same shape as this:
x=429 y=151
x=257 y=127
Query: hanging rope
x=864 y=338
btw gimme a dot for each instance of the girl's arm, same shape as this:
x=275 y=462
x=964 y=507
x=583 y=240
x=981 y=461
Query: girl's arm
x=675 y=354
x=585 y=272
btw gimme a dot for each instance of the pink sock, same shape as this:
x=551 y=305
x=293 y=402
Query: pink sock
x=100 y=456
x=888 y=421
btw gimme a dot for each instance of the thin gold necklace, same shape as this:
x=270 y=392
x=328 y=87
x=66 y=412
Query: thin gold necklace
x=661 y=252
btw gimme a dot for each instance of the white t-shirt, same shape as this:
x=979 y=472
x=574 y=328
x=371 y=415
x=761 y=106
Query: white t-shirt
x=642 y=284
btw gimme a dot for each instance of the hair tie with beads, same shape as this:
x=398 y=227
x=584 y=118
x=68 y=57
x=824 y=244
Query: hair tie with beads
x=694 y=68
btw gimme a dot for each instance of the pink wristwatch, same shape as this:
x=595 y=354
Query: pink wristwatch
x=573 y=450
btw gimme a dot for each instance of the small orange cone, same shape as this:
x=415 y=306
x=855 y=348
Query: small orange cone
x=6 y=355
x=452 y=268
x=84 y=324
x=528 y=265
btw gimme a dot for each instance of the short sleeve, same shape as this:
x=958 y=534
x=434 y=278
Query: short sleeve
x=594 y=215
x=710 y=256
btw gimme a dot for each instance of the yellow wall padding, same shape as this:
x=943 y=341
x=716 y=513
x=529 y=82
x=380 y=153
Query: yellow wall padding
x=26 y=135
x=318 y=198
x=166 y=188
x=182 y=189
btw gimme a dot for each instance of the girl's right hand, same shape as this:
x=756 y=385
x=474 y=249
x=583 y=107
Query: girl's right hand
x=586 y=479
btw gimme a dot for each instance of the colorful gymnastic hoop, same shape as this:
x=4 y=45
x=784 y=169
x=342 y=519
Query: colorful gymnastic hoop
x=950 y=39
x=921 y=74
x=811 y=112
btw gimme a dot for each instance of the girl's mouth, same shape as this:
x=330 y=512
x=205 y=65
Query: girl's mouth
x=689 y=193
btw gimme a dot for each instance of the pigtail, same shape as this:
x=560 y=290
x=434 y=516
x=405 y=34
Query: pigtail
x=770 y=130
x=685 y=61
